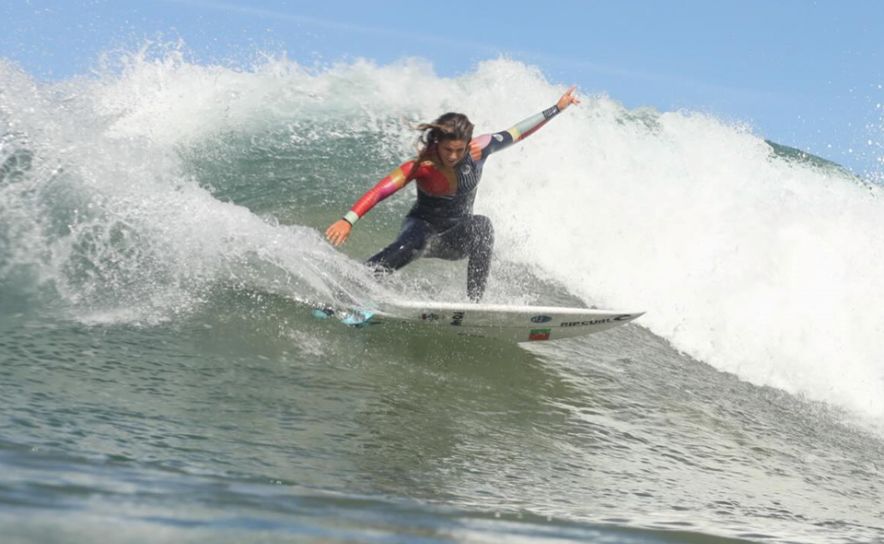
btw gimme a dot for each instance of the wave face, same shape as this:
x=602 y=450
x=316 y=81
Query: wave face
x=135 y=193
x=179 y=208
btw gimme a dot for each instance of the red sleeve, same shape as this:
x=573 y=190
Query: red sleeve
x=398 y=179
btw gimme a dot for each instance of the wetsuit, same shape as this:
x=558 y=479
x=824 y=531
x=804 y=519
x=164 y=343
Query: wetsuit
x=441 y=223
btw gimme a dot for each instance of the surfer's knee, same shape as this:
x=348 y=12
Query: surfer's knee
x=483 y=232
x=395 y=257
x=410 y=245
x=413 y=243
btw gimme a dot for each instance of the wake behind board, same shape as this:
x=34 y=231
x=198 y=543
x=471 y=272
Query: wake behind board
x=510 y=323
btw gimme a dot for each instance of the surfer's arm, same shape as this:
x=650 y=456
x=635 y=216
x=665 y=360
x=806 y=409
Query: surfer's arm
x=398 y=179
x=338 y=233
x=492 y=143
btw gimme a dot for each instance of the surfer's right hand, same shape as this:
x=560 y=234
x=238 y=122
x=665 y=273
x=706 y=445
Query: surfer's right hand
x=338 y=233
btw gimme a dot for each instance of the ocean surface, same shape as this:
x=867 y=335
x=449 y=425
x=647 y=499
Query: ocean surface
x=161 y=379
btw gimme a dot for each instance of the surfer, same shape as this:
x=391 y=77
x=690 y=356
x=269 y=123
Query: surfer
x=448 y=168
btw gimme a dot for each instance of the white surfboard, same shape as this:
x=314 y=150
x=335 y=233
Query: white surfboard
x=511 y=323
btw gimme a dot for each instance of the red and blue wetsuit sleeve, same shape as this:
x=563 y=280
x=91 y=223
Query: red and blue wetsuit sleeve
x=386 y=187
x=492 y=143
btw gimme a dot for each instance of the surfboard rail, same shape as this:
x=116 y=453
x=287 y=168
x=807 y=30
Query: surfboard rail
x=512 y=323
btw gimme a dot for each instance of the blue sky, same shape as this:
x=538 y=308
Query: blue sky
x=808 y=74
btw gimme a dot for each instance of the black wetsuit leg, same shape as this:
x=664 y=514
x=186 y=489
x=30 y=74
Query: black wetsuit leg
x=409 y=245
x=471 y=237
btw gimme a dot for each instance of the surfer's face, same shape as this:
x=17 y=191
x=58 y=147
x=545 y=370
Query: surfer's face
x=451 y=151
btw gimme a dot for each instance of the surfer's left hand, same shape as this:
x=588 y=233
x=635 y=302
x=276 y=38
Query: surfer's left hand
x=567 y=99
x=338 y=233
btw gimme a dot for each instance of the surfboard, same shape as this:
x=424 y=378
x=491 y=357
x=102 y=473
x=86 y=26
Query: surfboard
x=510 y=323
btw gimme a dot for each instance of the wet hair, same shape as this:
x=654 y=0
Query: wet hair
x=450 y=126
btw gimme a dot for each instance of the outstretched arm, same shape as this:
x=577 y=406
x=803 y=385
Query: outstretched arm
x=491 y=143
x=338 y=233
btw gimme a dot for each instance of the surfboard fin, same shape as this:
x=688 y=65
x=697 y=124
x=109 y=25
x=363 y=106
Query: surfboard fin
x=356 y=318
x=351 y=317
x=323 y=313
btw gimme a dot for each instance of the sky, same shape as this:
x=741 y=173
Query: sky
x=807 y=74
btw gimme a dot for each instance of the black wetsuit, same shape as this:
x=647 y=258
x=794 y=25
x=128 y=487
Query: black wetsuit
x=442 y=224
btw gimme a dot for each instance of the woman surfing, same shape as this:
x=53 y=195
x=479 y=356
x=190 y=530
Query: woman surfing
x=448 y=168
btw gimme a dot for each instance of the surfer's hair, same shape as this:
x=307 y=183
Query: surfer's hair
x=450 y=126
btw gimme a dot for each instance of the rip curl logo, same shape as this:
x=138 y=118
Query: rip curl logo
x=590 y=322
x=465 y=169
x=498 y=137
